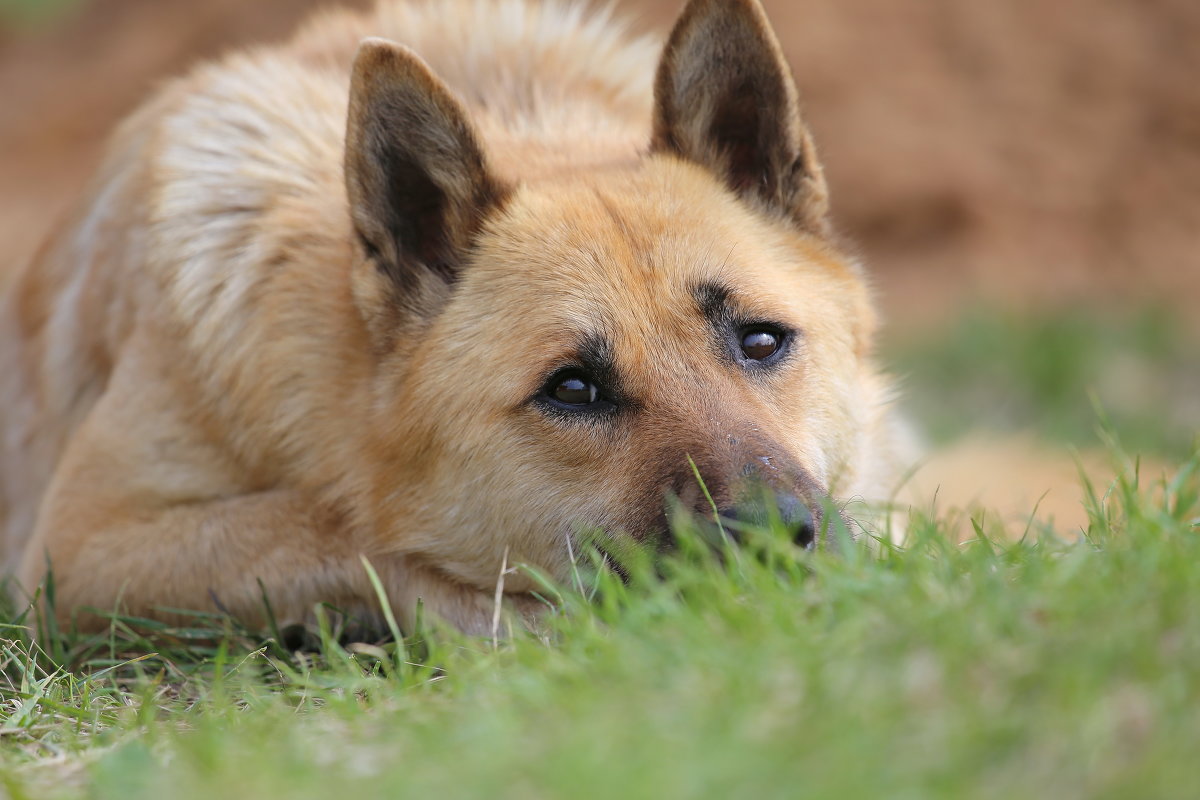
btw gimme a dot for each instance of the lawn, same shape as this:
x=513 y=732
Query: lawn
x=1056 y=664
x=1047 y=372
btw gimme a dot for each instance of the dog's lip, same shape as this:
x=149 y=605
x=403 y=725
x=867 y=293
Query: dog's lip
x=610 y=561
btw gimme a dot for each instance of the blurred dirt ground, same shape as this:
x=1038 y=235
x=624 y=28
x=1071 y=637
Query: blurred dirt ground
x=1018 y=152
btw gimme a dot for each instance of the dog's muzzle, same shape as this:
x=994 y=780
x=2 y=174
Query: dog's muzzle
x=789 y=510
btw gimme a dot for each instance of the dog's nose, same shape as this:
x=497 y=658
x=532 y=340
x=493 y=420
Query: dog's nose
x=793 y=512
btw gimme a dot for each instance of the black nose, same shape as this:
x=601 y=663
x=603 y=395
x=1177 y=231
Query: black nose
x=793 y=512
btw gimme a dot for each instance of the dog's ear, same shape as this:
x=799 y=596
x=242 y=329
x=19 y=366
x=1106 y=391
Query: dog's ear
x=416 y=176
x=724 y=98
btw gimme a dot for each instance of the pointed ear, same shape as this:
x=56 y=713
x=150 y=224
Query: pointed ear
x=724 y=98
x=416 y=176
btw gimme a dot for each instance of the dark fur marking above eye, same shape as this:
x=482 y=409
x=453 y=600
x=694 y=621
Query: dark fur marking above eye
x=593 y=363
x=714 y=302
x=596 y=356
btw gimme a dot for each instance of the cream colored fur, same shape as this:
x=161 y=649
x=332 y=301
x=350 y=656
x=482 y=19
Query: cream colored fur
x=210 y=381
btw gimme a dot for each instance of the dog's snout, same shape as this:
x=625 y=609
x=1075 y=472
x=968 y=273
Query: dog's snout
x=764 y=508
x=798 y=517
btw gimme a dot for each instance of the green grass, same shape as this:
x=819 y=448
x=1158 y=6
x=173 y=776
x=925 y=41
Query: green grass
x=1009 y=666
x=1008 y=370
x=26 y=14
x=1040 y=668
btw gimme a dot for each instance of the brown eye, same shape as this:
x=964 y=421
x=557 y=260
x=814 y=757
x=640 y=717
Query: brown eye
x=574 y=390
x=760 y=345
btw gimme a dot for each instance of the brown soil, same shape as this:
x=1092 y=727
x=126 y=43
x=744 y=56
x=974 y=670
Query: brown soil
x=1027 y=151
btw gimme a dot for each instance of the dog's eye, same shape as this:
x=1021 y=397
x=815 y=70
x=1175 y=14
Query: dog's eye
x=760 y=344
x=573 y=389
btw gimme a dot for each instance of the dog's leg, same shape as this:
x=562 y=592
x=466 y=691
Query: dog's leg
x=148 y=509
x=223 y=555
x=112 y=554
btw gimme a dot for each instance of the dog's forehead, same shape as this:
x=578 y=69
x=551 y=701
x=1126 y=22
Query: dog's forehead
x=626 y=259
x=631 y=241
x=640 y=243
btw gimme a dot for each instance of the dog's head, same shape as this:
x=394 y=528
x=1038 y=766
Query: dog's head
x=560 y=355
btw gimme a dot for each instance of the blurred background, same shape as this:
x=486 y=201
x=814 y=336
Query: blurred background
x=1021 y=177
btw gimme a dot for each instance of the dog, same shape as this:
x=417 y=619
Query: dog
x=446 y=286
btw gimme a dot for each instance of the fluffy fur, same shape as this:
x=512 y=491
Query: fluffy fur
x=307 y=310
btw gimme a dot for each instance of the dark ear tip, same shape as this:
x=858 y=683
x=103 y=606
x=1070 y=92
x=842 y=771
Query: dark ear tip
x=377 y=50
x=753 y=9
x=742 y=24
x=382 y=59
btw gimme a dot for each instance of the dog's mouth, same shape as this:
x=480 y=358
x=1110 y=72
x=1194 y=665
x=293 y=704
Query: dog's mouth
x=611 y=552
x=610 y=562
x=817 y=525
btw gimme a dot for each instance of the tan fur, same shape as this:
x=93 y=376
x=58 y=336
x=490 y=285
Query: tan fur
x=257 y=354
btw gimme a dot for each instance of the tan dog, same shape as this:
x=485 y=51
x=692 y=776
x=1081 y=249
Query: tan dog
x=496 y=310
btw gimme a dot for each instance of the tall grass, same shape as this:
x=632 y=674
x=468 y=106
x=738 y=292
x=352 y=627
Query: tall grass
x=1042 y=667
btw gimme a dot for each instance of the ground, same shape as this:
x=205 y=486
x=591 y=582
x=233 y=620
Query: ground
x=1022 y=181
x=1019 y=151
x=1043 y=668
